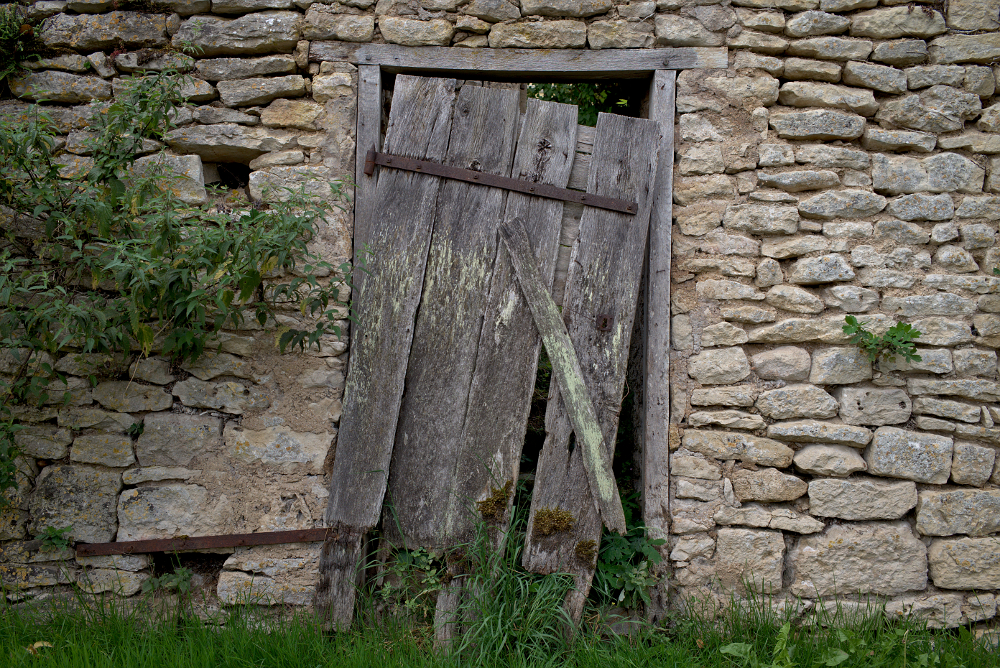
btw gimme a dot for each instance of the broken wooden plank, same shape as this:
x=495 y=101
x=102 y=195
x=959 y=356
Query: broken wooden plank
x=449 y=321
x=604 y=280
x=532 y=64
x=656 y=386
x=509 y=345
x=567 y=372
x=419 y=126
x=369 y=135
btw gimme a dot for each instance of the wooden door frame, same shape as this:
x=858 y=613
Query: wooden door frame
x=660 y=66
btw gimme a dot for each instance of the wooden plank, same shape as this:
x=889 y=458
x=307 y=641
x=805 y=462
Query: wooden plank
x=201 y=542
x=509 y=345
x=419 y=126
x=568 y=373
x=603 y=278
x=334 y=52
x=449 y=322
x=533 y=64
x=369 y=135
x=656 y=386
x=569 y=230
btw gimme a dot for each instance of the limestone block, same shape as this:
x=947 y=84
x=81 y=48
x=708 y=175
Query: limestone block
x=795 y=299
x=701 y=159
x=83 y=497
x=831 y=157
x=694 y=467
x=892 y=22
x=187 y=7
x=949 y=172
x=980 y=80
x=925 y=76
x=743 y=447
x=94 y=418
x=979 y=607
x=942 y=303
x=761 y=219
x=697 y=128
x=174 y=439
x=878 y=77
x=986 y=206
x=965 y=563
x=973 y=14
x=492 y=10
x=157 y=474
x=219 y=69
x=719 y=367
x=229 y=142
x=850 y=298
x=972 y=464
x=896 y=453
x=943 y=331
x=129 y=62
x=977 y=390
x=760 y=91
x=409 y=32
x=60 y=87
x=739 y=395
x=785 y=363
x=722 y=289
x=798 y=330
x=564 y=34
x=808 y=94
x=152 y=370
x=753 y=61
x=799 y=181
x=975 y=512
x=873 y=406
x=257 y=33
x=170 y=511
x=692 y=547
x=182 y=176
x=978 y=236
x=573 y=8
x=975 y=362
x=775 y=155
x=922 y=207
x=867 y=558
x=279 y=446
x=762 y=21
x=901 y=52
x=108 y=449
x=121 y=583
x=754 y=515
x=842 y=204
x=229 y=397
x=861 y=498
x=953 y=258
x=746 y=313
x=699 y=219
x=829 y=460
x=749 y=556
x=831 y=48
x=816 y=23
x=619 y=35
x=43 y=441
x=123 y=396
x=213 y=365
x=270 y=575
x=817 y=124
x=840 y=366
x=700 y=491
x=813 y=431
x=939 y=611
x=756 y=41
x=257 y=91
x=796 y=401
x=782 y=249
x=325 y=22
x=879 y=139
x=768 y=273
x=805 y=68
x=91 y=32
x=938 y=109
x=722 y=334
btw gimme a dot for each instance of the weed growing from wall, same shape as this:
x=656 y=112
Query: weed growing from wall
x=897 y=340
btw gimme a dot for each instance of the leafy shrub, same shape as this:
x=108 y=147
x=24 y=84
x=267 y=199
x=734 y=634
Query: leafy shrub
x=17 y=36
x=898 y=340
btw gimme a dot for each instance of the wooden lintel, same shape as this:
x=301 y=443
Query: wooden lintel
x=522 y=64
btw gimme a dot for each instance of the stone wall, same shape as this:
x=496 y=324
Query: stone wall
x=841 y=165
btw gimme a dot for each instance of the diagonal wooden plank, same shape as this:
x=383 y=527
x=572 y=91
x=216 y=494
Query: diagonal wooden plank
x=603 y=280
x=507 y=358
x=419 y=126
x=446 y=335
x=567 y=372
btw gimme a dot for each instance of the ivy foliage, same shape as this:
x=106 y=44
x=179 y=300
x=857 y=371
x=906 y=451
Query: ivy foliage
x=111 y=261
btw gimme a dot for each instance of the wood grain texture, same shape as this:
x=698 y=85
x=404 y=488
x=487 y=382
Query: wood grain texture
x=603 y=278
x=529 y=64
x=419 y=127
x=656 y=386
x=369 y=137
x=566 y=370
x=422 y=496
x=509 y=345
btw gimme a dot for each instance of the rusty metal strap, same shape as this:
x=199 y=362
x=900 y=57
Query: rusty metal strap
x=496 y=181
x=202 y=542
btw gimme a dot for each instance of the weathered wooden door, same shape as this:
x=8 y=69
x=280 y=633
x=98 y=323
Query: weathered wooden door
x=444 y=355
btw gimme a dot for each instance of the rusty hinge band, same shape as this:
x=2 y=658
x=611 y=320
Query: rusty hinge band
x=496 y=181
x=202 y=542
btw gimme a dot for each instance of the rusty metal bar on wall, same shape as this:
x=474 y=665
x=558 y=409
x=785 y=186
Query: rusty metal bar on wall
x=202 y=542
x=496 y=181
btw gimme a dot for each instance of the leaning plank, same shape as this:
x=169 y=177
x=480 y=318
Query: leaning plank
x=507 y=358
x=566 y=369
x=419 y=126
x=656 y=387
x=603 y=280
x=514 y=64
x=446 y=335
x=369 y=136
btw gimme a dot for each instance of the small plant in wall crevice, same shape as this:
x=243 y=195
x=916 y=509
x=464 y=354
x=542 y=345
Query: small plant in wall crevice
x=896 y=341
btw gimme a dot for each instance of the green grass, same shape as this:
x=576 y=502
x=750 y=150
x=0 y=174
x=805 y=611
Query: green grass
x=99 y=634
